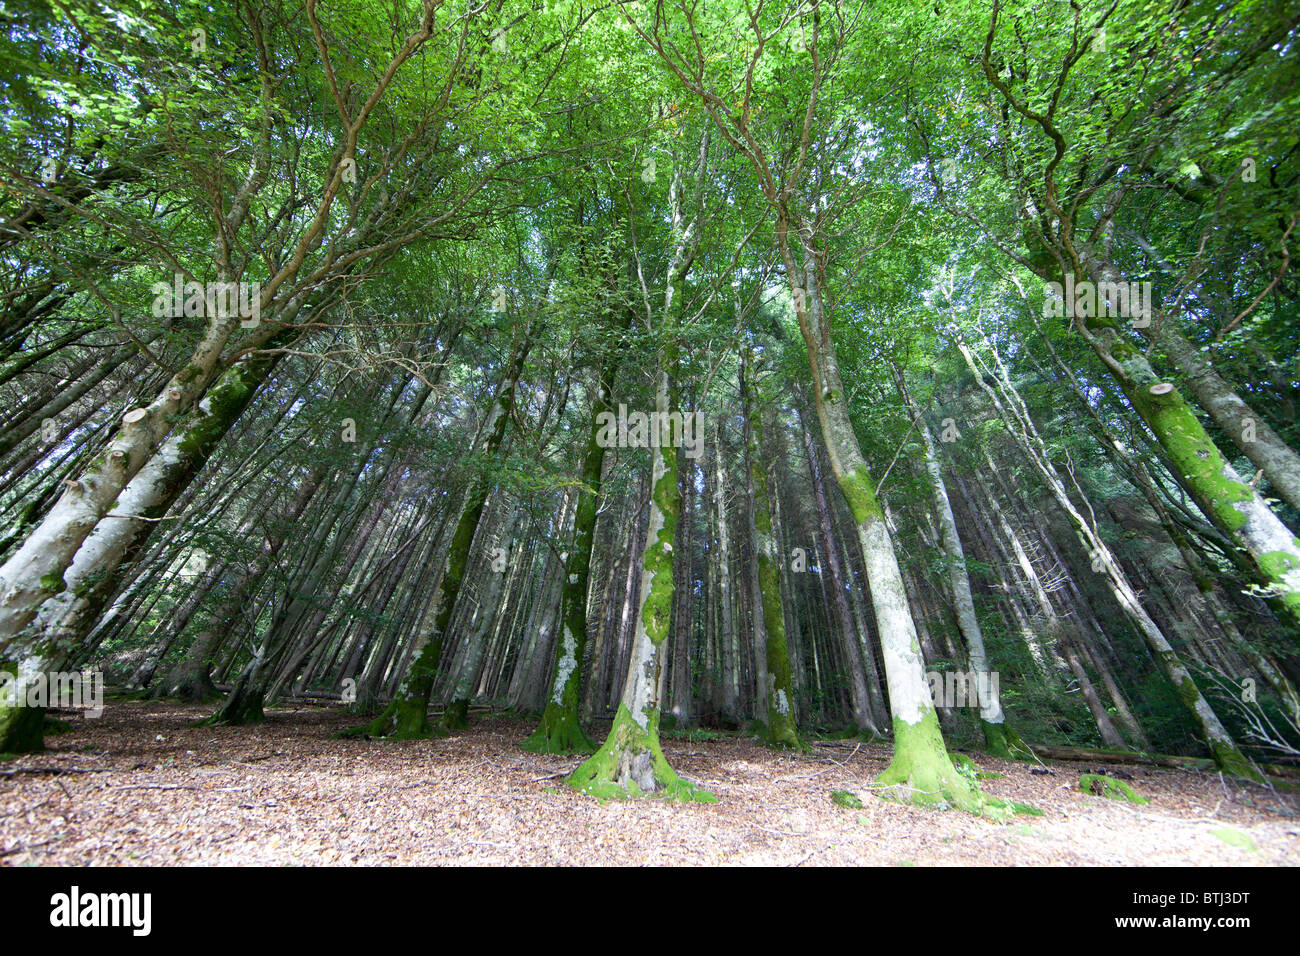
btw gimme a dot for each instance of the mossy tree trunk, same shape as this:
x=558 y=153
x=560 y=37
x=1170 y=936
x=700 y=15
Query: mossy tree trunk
x=65 y=618
x=59 y=626
x=1243 y=426
x=61 y=622
x=34 y=573
x=560 y=729
x=243 y=705
x=780 y=727
x=407 y=715
x=921 y=763
x=631 y=761
x=1224 y=496
x=867 y=699
x=921 y=768
x=21 y=727
x=482 y=623
x=1230 y=502
x=992 y=719
x=1015 y=415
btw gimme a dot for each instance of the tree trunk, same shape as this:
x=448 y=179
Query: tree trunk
x=992 y=720
x=1017 y=419
x=560 y=730
x=779 y=726
x=921 y=769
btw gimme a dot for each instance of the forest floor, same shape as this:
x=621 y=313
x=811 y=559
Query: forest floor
x=142 y=786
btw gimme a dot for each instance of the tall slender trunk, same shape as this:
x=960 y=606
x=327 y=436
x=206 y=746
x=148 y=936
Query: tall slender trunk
x=992 y=720
x=631 y=761
x=190 y=679
x=780 y=729
x=407 y=716
x=1016 y=417
x=921 y=768
x=866 y=708
x=488 y=607
x=560 y=730
x=728 y=649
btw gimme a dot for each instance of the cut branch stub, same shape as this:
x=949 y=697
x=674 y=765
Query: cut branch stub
x=135 y=415
x=1163 y=394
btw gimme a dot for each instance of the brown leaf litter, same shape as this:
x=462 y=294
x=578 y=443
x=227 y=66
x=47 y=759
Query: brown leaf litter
x=141 y=786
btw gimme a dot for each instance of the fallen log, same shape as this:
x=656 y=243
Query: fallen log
x=1157 y=760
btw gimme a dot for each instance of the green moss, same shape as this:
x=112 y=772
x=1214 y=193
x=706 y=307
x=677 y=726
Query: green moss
x=189 y=373
x=844 y=798
x=222 y=406
x=969 y=769
x=1123 y=351
x=964 y=764
x=1242 y=841
x=631 y=764
x=558 y=733
x=657 y=607
x=407 y=715
x=22 y=730
x=860 y=492
x=1233 y=762
x=1274 y=565
x=1186 y=689
x=1181 y=434
x=52 y=725
x=995 y=740
x=1100 y=786
x=53 y=583
x=922 y=773
x=241 y=708
x=780 y=731
x=406 y=718
x=456 y=716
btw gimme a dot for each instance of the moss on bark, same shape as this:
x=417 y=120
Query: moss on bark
x=923 y=774
x=241 y=708
x=22 y=730
x=631 y=764
x=1233 y=762
x=558 y=733
x=995 y=740
x=456 y=716
x=405 y=718
x=859 y=491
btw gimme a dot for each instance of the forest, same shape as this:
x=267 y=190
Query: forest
x=649 y=432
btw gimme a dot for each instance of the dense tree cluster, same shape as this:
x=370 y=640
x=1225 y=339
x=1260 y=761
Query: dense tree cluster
x=758 y=366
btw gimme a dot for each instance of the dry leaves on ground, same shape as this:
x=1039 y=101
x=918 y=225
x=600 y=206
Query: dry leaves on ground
x=142 y=786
